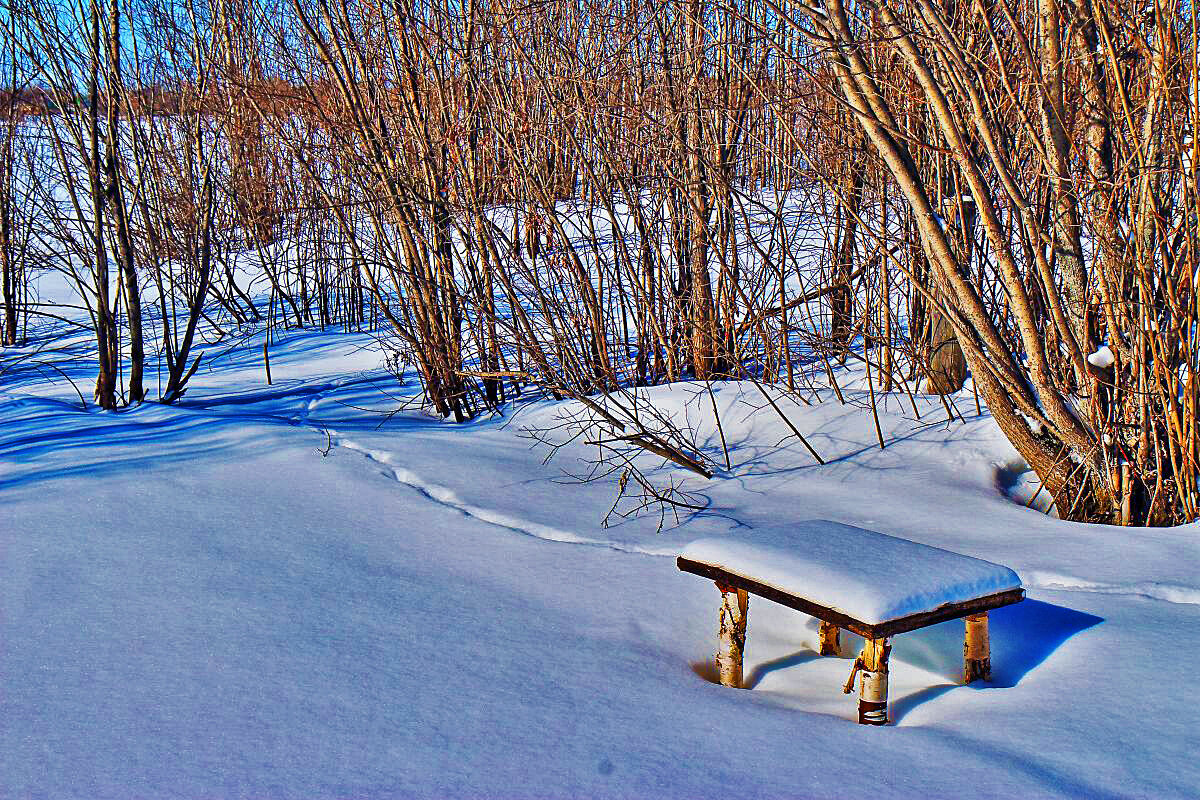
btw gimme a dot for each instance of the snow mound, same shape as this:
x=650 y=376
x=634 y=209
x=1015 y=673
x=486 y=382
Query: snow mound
x=867 y=575
x=1102 y=358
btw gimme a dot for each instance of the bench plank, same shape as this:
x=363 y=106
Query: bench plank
x=833 y=616
x=867 y=576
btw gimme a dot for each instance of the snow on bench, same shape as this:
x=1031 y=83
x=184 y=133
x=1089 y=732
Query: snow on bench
x=869 y=577
x=874 y=585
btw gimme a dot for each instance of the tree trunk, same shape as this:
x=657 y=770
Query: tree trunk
x=125 y=248
x=9 y=283
x=841 y=300
x=947 y=365
x=1068 y=247
x=106 y=334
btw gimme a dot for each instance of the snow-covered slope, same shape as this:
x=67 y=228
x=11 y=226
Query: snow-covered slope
x=279 y=592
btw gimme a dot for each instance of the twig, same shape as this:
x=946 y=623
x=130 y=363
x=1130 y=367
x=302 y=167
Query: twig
x=788 y=422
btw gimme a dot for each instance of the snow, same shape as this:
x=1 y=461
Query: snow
x=869 y=576
x=1103 y=358
x=291 y=591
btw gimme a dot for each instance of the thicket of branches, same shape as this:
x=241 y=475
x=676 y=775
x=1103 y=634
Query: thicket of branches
x=1059 y=220
x=578 y=197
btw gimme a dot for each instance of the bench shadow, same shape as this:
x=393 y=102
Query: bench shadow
x=707 y=669
x=899 y=708
x=1027 y=633
x=1022 y=636
x=755 y=676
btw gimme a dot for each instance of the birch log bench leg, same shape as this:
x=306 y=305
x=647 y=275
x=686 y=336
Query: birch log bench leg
x=871 y=584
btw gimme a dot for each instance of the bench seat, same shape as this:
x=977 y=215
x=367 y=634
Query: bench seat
x=866 y=582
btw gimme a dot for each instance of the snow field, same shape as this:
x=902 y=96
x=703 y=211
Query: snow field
x=265 y=592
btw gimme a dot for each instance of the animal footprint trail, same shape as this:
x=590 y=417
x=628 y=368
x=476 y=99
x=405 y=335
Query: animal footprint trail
x=449 y=498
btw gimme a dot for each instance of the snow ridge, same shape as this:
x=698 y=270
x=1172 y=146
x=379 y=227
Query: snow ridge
x=1155 y=590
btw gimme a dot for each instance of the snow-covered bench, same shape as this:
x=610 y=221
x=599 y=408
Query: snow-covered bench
x=874 y=585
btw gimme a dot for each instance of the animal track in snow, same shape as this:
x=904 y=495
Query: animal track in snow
x=447 y=497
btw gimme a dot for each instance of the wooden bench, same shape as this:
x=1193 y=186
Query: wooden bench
x=871 y=584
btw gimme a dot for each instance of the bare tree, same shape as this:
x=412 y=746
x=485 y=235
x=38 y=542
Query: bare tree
x=1084 y=109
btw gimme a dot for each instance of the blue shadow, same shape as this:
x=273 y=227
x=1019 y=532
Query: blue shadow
x=783 y=662
x=1022 y=637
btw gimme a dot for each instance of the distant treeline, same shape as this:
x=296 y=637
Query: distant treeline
x=36 y=101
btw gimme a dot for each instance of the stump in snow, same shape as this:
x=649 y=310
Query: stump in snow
x=732 y=635
x=947 y=365
x=873 y=684
x=830 y=639
x=977 y=652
